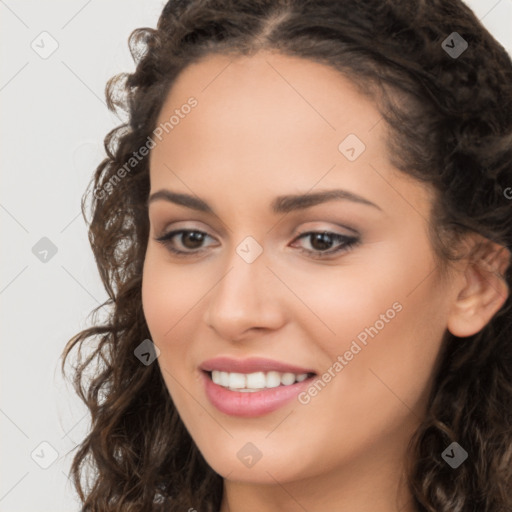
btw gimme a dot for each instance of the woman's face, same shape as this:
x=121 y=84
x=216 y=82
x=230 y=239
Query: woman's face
x=257 y=301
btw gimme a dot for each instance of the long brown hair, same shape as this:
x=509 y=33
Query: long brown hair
x=452 y=128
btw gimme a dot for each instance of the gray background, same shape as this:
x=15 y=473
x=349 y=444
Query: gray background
x=53 y=120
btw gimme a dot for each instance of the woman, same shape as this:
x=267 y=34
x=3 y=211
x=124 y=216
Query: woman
x=305 y=232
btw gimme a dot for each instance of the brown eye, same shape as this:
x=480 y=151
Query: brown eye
x=321 y=243
x=189 y=241
x=192 y=239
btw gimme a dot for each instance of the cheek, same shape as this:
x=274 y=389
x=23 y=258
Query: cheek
x=168 y=294
x=386 y=321
x=380 y=386
x=168 y=297
x=340 y=302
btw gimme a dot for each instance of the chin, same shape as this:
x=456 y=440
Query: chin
x=243 y=462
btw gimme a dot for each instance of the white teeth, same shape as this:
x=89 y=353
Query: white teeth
x=216 y=377
x=287 y=379
x=224 y=379
x=237 y=380
x=273 y=379
x=256 y=381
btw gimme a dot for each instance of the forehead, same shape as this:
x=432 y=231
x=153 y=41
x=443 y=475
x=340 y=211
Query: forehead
x=269 y=122
x=273 y=87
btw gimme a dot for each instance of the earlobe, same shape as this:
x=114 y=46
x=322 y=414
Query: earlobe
x=483 y=290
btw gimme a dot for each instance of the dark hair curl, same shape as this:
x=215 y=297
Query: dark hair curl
x=449 y=124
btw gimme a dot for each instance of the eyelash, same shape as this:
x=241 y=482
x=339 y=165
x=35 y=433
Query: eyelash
x=348 y=242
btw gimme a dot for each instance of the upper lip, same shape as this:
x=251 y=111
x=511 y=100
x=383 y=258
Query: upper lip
x=250 y=365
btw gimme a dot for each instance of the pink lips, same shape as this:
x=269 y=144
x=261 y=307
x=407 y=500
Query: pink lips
x=250 y=404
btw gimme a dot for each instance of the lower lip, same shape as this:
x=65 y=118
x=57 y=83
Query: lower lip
x=251 y=403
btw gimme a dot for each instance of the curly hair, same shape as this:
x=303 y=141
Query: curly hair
x=449 y=124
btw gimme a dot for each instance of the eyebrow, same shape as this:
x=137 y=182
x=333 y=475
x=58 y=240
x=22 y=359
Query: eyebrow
x=281 y=204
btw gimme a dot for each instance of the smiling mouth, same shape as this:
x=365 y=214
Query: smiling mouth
x=256 y=381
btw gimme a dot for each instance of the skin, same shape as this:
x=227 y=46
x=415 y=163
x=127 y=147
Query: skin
x=265 y=126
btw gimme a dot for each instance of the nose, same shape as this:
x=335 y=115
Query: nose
x=247 y=299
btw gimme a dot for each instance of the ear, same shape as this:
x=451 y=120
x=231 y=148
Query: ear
x=482 y=289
